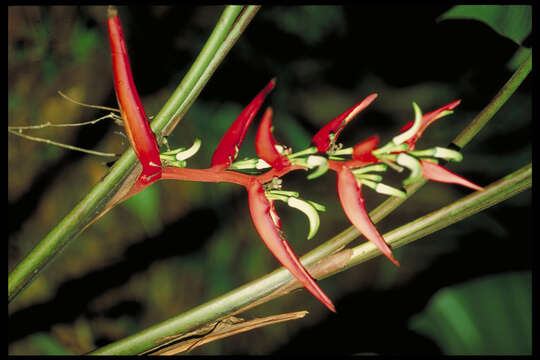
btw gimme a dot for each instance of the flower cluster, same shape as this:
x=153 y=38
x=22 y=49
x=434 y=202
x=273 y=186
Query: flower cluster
x=355 y=166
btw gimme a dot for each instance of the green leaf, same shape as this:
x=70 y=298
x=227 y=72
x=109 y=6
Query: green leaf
x=491 y=315
x=511 y=21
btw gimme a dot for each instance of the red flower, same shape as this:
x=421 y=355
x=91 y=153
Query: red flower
x=261 y=214
x=227 y=149
x=322 y=138
x=352 y=201
x=265 y=145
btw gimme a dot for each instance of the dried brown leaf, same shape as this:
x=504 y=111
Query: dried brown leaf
x=218 y=330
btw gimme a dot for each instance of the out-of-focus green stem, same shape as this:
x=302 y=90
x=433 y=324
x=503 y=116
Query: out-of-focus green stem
x=98 y=198
x=495 y=104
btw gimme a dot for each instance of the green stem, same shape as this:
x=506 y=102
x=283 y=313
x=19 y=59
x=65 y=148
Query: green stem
x=100 y=195
x=242 y=22
x=166 y=120
x=495 y=104
x=266 y=288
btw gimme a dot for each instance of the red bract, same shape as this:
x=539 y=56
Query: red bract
x=427 y=119
x=322 y=137
x=362 y=151
x=227 y=149
x=265 y=144
x=352 y=201
x=138 y=129
x=260 y=209
x=438 y=173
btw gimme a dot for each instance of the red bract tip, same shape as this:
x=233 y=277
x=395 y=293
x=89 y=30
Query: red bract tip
x=362 y=151
x=427 y=119
x=322 y=137
x=265 y=144
x=227 y=149
x=260 y=209
x=438 y=173
x=352 y=201
x=138 y=129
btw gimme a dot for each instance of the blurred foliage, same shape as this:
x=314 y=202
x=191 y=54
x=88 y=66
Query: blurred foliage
x=487 y=316
x=179 y=244
x=45 y=344
x=310 y=23
x=512 y=21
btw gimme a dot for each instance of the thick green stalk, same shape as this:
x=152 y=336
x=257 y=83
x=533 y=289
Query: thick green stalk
x=97 y=199
x=46 y=250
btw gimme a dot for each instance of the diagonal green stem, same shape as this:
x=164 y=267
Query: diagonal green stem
x=495 y=104
x=266 y=287
x=97 y=199
x=236 y=31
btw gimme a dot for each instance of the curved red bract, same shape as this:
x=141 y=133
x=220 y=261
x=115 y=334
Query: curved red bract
x=322 y=138
x=434 y=172
x=260 y=209
x=352 y=201
x=265 y=144
x=227 y=149
x=138 y=129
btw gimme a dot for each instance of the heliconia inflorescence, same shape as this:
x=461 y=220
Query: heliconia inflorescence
x=262 y=176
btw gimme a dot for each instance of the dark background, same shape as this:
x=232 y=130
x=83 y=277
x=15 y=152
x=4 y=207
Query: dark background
x=178 y=245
